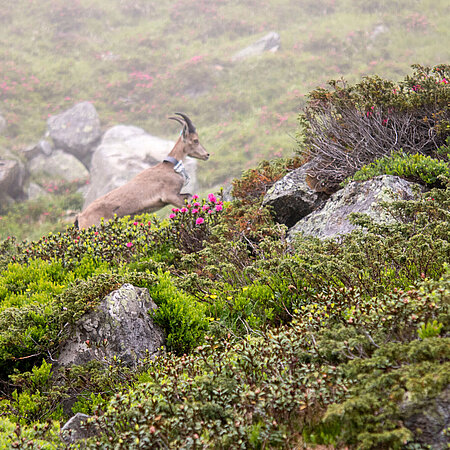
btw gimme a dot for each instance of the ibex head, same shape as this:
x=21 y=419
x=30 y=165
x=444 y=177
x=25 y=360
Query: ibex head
x=192 y=146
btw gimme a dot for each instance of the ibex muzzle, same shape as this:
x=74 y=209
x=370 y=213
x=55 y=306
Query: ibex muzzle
x=153 y=188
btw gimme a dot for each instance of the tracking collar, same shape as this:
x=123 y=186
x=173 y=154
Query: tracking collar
x=178 y=167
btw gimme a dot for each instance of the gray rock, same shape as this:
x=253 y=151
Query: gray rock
x=429 y=419
x=269 y=43
x=124 y=152
x=76 y=130
x=76 y=428
x=45 y=147
x=34 y=191
x=292 y=199
x=59 y=165
x=2 y=124
x=356 y=197
x=12 y=175
x=120 y=326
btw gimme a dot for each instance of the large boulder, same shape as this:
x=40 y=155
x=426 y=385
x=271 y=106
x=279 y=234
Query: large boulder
x=76 y=130
x=292 y=199
x=58 y=165
x=269 y=43
x=124 y=152
x=357 y=197
x=120 y=326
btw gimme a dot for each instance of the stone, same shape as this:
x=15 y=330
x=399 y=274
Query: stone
x=120 y=326
x=2 y=124
x=12 y=175
x=76 y=130
x=76 y=428
x=292 y=199
x=58 y=165
x=124 y=152
x=269 y=43
x=357 y=197
x=429 y=419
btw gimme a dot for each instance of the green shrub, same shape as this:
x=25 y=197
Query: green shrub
x=181 y=315
x=414 y=167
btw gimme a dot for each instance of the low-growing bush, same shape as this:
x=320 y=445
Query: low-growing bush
x=415 y=167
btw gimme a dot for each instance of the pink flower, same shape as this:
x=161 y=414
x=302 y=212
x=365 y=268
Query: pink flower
x=205 y=207
x=195 y=197
x=199 y=221
x=196 y=204
x=135 y=224
x=212 y=198
x=129 y=244
x=172 y=216
x=219 y=207
x=175 y=210
x=194 y=211
x=183 y=210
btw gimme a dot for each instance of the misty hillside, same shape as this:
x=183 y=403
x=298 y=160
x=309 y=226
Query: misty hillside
x=139 y=61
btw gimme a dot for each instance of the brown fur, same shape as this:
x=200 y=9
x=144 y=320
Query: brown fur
x=148 y=191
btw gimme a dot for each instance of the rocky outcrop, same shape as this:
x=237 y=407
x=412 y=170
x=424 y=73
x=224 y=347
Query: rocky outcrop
x=123 y=153
x=76 y=130
x=119 y=327
x=292 y=199
x=357 y=197
x=58 y=165
x=269 y=43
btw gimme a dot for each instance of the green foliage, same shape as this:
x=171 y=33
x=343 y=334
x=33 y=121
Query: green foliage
x=417 y=167
x=430 y=329
x=181 y=315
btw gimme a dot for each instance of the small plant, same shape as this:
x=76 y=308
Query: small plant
x=430 y=329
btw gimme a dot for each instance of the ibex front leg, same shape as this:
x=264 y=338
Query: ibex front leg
x=178 y=200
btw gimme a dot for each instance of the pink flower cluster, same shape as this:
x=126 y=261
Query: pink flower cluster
x=209 y=206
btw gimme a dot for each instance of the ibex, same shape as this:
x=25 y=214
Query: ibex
x=153 y=188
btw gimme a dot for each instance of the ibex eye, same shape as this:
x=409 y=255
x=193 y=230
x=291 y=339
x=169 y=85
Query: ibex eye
x=195 y=141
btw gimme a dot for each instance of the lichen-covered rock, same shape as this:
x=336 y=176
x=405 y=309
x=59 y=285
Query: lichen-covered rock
x=120 y=326
x=58 y=165
x=124 y=152
x=356 y=197
x=76 y=130
x=292 y=199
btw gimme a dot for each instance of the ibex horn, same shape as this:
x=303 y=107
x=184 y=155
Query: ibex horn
x=188 y=121
x=178 y=120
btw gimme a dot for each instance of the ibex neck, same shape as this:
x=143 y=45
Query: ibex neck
x=178 y=150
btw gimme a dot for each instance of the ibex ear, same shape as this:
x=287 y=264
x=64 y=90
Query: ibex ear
x=185 y=132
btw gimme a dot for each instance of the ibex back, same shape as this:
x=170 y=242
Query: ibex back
x=153 y=188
